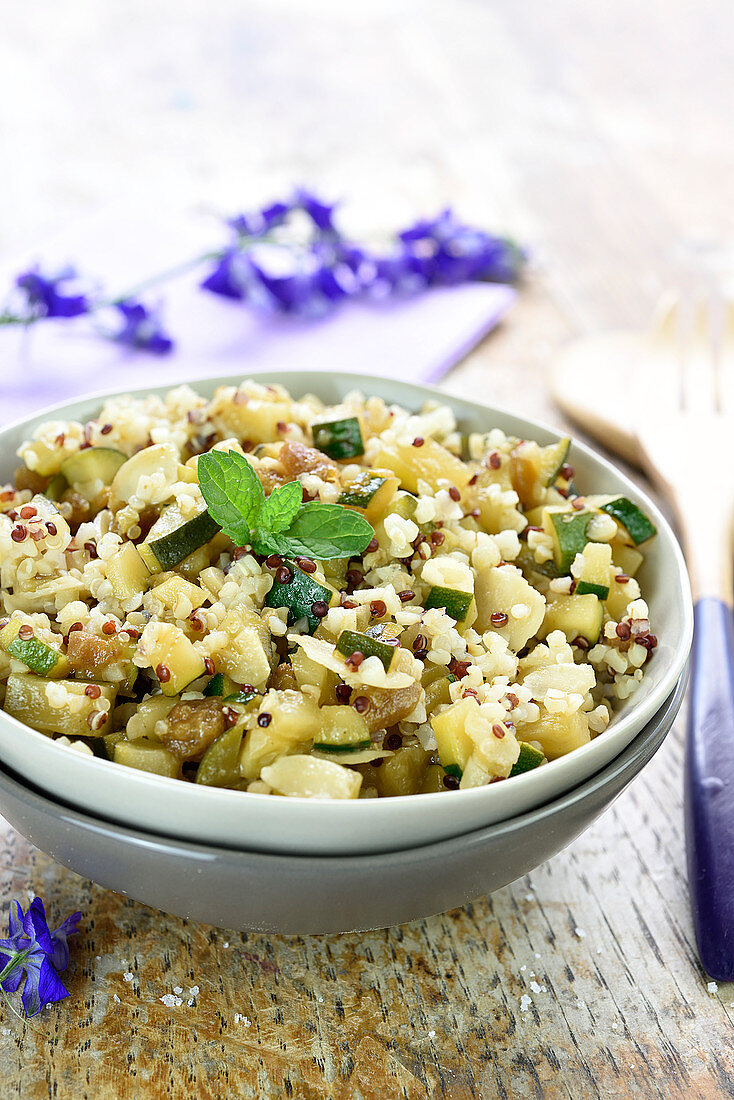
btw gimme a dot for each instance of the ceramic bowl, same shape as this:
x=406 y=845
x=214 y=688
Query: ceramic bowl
x=292 y=825
x=299 y=895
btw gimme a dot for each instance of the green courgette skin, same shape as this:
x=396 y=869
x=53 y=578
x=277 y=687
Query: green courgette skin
x=92 y=464
x=299 y=594
x=215 y=686
x=570 y=528
x=634 y=521
x=359 y=496
x=456 y=603
x=341 y=750
x=39 y=657
x=351 y=641
x=339 y=439
x=528 y=759
x=171 y=549
x=56 y=487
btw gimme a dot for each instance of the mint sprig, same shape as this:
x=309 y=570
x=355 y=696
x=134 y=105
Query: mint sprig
x=280 y=523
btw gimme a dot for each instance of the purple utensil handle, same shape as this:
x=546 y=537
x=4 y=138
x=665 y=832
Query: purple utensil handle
x=709 y=786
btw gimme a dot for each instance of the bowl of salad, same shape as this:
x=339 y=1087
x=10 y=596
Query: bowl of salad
x=319 y=614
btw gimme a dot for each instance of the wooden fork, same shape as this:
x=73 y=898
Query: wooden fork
x=685 y=432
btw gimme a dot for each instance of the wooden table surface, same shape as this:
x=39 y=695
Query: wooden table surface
x=599 y=134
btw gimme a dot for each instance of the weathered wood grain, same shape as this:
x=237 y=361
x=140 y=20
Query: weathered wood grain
x=600 y=135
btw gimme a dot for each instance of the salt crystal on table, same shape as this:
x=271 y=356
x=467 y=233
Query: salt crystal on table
x=525 y=1002
x=712 y=987
x=535 y=987
x=170 y=1001
x=128 y=976
x=193 y=990
x=431 y=1034
x=177 y=989
x=580 y=933
x=115 y=998
x=239 y=1018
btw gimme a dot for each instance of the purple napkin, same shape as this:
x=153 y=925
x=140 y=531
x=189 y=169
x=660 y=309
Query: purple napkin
x=417 y=339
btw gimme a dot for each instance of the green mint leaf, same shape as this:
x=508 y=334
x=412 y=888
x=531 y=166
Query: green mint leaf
x=322 y=531
x=232 y=491
x=281 y=507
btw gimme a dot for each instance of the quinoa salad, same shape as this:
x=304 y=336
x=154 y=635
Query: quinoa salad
x=490 y=621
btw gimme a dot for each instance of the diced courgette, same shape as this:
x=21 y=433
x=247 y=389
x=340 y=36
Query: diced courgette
x=634 y=521
x=568 y=531
x=559 y=734
x=626 y=558
x=36 y=654
x=533 y=468
x=27 y=699
x=127 y=572
x=576 y=616
x=172 y=538
x=56 y=487
x=594 y=576
x=179 y=595
x=431 y=462
x=89 y=470
x=147 y=756
x=456 y=603
x=370 y=493
x=455 y=746
x=216 y=686
x=241 y=697
x=339 y=439
x=219 y=766
x=343 y=731
x=384 y=631
x=528 y=759
x=298 y=595
x=351 y=641
x=167 y=648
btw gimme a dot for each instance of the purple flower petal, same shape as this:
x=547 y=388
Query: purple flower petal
x=15 y=920
x=45 y=296
x=226 y=278
x=320 y=213
x=43 y=985
x=142 y=329
x=59 y=937
x=35 y=926
x=14 y=978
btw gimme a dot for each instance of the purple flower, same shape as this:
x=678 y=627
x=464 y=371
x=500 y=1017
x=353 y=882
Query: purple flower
x=261 y=222
x=46 y=297
x=36 y=954
x=227 y=277
x=446 y=252
x=309 y=278
x=141 y=329
x=320 y=213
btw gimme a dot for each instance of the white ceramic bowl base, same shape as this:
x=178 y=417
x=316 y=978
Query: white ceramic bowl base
x=304 y=826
